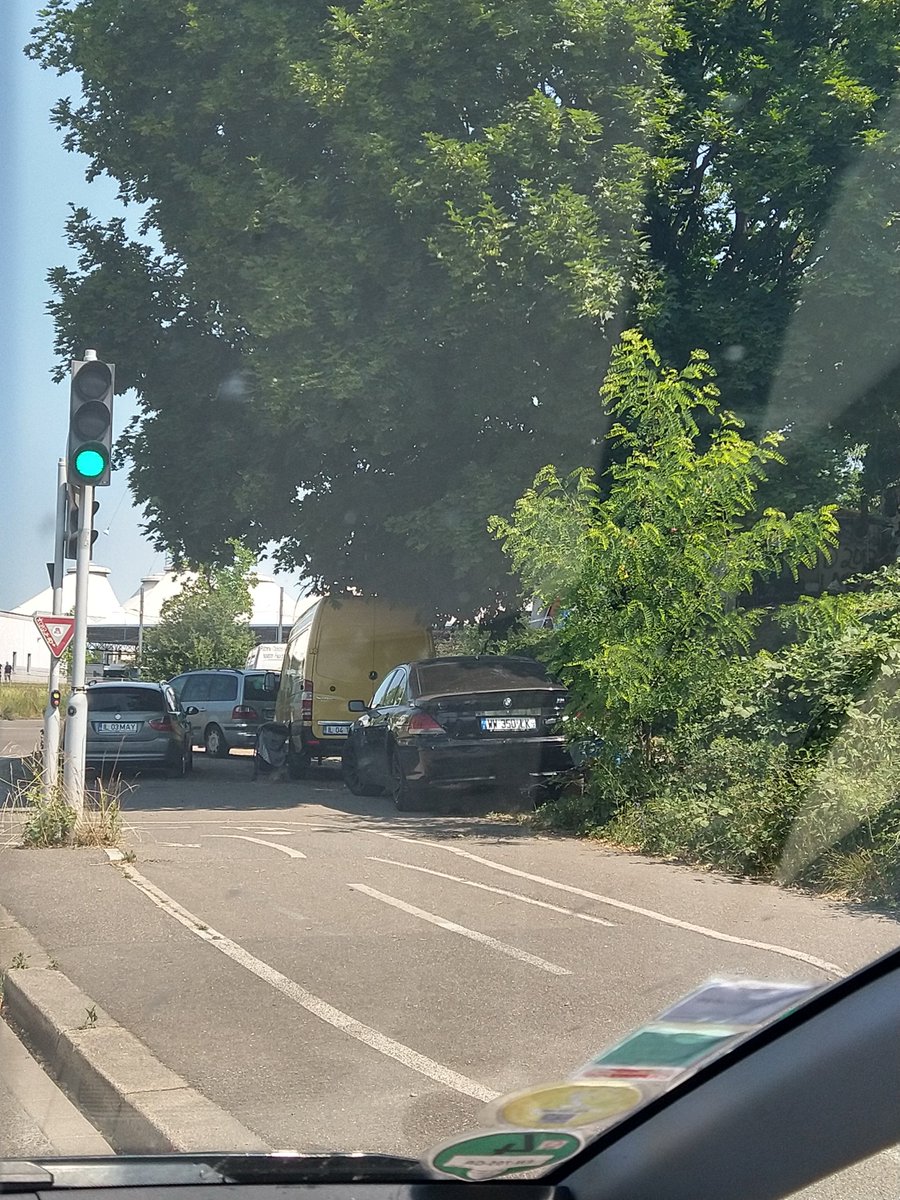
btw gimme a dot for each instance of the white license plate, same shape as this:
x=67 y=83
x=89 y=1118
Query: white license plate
x=336 y=730
x=118 y=726
x=508 y=724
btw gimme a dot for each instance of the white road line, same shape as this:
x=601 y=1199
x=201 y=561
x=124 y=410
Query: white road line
x=319 y=1008
x=243 y=837
x=182 y=845
x=486 y=887
x=472 y=934
x=716 y=934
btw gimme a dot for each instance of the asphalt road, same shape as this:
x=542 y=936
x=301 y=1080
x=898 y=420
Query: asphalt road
x=340 y=976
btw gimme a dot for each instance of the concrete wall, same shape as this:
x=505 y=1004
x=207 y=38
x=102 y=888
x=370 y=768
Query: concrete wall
x=23 y=646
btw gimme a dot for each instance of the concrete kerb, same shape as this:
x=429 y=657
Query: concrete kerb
x=136 y=1102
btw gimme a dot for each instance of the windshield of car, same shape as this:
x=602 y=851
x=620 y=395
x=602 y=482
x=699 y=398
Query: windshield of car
x=545 y=354
x=131 y=699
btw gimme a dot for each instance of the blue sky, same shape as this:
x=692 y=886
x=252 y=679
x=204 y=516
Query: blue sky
x=38 y=182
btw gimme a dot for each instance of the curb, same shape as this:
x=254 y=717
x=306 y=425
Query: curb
x=136 y=1102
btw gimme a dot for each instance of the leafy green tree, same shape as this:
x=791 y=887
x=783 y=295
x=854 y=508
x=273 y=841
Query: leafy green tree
x=648 y=572
x=205 y=624
x=770 y=223
x=394 y=238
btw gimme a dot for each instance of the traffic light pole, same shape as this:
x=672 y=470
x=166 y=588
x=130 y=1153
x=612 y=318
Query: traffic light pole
x=51 y=712
x=76 y=716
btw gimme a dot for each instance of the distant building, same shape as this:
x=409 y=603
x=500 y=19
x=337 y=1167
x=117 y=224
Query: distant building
x=115 y=628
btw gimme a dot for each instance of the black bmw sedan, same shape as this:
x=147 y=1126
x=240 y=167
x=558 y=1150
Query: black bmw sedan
x=455 y=724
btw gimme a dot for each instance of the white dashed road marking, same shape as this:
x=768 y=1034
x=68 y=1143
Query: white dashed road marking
x=452 y=927
x=486 y=887
x=716 y=934
x=243 y=837
x=299 y=995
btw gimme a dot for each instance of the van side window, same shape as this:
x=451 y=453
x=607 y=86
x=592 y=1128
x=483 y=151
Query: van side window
x=193 y=688
x=222 y=687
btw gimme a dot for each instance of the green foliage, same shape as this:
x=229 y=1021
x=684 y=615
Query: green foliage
x=48 y=822
x=774 y=184
x=795 y=775
x=396 y=238
x=205 y=624
x=648 y=568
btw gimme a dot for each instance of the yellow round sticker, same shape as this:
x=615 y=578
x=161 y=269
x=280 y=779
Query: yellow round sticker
x=567 y=1105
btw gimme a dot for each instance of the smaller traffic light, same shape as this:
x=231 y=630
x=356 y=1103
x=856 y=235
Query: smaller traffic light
x=55 y=698
x=90 y=422
x=72 y=514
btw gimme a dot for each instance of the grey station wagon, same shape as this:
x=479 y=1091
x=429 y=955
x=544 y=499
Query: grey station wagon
x=133 y=724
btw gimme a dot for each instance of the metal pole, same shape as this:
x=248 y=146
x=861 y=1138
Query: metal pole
x=280 y=614
x=52 y=718
x=76 y=723
x=140 y=644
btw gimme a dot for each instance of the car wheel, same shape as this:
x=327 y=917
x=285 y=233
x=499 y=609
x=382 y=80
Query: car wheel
x=406 y=797
x=354 y=779
x=214 y=742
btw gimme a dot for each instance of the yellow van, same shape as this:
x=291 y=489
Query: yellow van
x=340 y=649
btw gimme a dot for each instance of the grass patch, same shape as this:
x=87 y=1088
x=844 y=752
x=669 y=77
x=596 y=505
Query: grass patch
x=49 y=822
x=22 y=701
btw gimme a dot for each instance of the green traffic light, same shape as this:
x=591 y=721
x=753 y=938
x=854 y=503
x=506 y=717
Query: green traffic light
x=90 y=463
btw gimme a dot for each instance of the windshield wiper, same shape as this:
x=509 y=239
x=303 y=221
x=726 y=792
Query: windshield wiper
x=21 y=1175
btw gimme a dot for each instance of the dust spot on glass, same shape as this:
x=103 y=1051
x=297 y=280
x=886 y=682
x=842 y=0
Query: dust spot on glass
x=733 y=354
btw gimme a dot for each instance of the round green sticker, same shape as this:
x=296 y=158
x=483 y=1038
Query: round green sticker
x=509 y=1152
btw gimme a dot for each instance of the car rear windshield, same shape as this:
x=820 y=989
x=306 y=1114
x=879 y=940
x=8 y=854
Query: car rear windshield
x=125 y=699
x=255 y=687
x=479 y=675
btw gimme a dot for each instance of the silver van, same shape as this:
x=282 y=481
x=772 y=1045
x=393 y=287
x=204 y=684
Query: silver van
x=226 y=707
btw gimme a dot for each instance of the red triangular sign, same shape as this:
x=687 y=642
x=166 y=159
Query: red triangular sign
x=56 y=632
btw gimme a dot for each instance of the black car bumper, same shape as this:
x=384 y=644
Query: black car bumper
x=482 y=761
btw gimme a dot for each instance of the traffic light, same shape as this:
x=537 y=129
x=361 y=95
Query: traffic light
x=90 y=422
x=73 y=496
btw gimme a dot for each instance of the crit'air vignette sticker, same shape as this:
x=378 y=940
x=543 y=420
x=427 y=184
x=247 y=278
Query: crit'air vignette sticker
x=738 y=1002
x=673 y=1046
x=567 y=1105
x=508 y=1152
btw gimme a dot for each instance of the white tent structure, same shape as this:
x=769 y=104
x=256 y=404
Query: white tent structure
x=272 y=603
x=101 y=598
x=20 y=643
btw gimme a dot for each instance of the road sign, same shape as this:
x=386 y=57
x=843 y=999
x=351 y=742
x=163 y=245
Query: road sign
x=56 y=632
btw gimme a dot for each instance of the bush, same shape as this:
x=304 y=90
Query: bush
x=731 y=806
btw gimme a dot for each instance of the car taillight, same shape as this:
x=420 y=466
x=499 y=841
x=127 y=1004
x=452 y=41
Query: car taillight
x=306 y=701
x=243 y=712
x=421 y=722
x=162 y=724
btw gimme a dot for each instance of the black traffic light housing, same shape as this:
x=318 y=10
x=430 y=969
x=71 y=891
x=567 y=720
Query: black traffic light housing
x=73 y=497
x=90 y=422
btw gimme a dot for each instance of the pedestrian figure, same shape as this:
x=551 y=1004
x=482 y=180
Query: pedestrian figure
x=7 y=672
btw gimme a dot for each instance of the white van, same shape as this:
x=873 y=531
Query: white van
x=267 y=656
x=340 y=649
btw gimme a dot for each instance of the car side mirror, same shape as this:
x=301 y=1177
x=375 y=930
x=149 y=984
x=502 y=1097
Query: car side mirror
x=358 y=706
x=191 y=710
